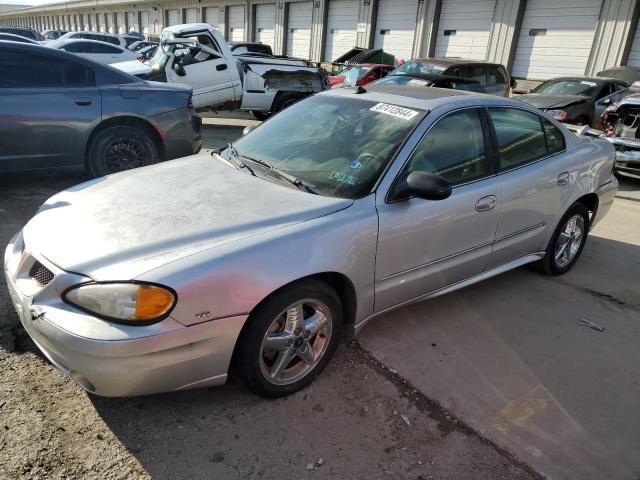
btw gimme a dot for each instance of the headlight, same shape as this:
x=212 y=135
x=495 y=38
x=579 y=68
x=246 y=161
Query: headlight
x=127 y=302
x=559 y=115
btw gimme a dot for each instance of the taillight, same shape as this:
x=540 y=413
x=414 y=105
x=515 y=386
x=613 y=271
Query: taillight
x=141 y=58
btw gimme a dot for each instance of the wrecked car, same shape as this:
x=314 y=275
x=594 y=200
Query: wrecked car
x=621 y=124
x=572 y=99
x=197 y=55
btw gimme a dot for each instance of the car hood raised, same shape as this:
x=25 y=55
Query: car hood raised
x=540 y=100
x=120 y=226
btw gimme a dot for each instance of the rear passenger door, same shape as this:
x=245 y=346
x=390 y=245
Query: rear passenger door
x=536 y=181
x=47 y=106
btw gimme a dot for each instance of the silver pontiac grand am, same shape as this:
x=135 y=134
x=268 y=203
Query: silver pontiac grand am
x=255 y=259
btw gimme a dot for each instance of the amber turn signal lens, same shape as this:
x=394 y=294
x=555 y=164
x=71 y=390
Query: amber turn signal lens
x=152 y=302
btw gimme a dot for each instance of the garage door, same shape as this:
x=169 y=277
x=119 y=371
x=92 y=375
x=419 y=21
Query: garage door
x=109 y=22
x=342 y=19
x=555 y=38
x=464 y=28
x=395 y=27
x=211 y=16
x=191 y=15
x=236 y=24
x=634 y=54
x=173 y=17
x=299 y=29
x=265 y=24
x=132 y=23
x=144 y=23
x=103 y=22
x=120 y=20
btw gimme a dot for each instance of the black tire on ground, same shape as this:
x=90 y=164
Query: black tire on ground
x=120 y=148
x=262 y=116
x=552 y=266
x=285 y=100
x=247 y=358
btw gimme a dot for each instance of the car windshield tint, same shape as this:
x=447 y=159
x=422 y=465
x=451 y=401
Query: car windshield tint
x=337 y=146
x=567 y=87
x=411 y=67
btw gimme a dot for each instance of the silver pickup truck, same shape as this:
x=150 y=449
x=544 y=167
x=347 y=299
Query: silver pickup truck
x=196 y=54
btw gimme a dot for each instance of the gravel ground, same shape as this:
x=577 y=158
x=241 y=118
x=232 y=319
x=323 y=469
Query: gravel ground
x=358 y=420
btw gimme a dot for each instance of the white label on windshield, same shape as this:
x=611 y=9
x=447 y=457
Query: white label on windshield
x=393 y=110
x=591 y=84
x=415 y=81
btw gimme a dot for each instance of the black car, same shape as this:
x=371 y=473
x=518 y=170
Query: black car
x=59 y=110
x=479 y=77
x=572 y=99
x=23 y=32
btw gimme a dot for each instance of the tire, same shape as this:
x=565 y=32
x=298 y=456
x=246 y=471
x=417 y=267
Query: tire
x=270 y=355
x=551 y=263
x=262 y=116
x=120 y=148
x=285 y=100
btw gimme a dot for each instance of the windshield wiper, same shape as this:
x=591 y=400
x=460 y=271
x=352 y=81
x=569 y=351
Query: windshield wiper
x=237 y=160
x=295 y=181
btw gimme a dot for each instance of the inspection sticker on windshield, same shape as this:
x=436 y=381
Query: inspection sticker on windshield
x=394 y=110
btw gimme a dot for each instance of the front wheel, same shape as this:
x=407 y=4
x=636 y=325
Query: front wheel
x=567 y=241
x=289 y=339
x=119 y=148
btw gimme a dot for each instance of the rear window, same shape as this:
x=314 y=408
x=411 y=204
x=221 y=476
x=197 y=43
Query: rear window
x=27 y=70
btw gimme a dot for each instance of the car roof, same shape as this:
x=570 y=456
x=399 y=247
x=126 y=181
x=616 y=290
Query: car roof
x=584 y=79
x=450 y=61
x=22 y=39
x=189 y=27
x=65 y=41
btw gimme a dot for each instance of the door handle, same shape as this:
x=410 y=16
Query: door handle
x=486 y=203
x=222 y=66
x=83 y=102
x=563 y=178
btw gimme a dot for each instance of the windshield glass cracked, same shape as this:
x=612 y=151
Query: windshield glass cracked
x=337 y=147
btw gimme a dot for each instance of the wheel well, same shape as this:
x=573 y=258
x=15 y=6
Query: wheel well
x=590 y=201
x=128 y=121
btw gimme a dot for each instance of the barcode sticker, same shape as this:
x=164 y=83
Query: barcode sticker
x=394 y=110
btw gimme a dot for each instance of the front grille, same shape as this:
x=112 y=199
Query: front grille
x=41 y=274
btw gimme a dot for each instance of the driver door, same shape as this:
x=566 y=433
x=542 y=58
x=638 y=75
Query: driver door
x=427 y=245
x=207 y=72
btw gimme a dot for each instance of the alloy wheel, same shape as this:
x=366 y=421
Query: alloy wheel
x=569 y=241
x=124 y=153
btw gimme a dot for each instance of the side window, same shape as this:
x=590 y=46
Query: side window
x=453 y=148
x=555 y=138
x=73 y=48
x=26 y=70
x=519 y=135
x=477 y=73
x=494 y=75
x=111 y=40
x=606 y=90
x=104 y=48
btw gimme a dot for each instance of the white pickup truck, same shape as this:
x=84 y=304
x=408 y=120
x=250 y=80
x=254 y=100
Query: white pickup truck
x=196 y=54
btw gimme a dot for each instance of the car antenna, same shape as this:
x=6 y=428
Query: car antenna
x=360 y=89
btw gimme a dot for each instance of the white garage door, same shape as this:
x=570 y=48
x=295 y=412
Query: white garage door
x=464 y=28
x=109 y=22
x=634 y=54
x=144 y=23
x=395 y=27
x=132 y=24
x=265 y=24
x=120 y=20
x=299 y=29
x=173 y=17
x=103 y=22
x=211 y=16
x=342 y=19
x=236 y=24
x=191 y=15
x=555 y=38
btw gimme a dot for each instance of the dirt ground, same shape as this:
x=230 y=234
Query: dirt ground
x=359 y=420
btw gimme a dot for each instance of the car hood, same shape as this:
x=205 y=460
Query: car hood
x=120 y=226
x=540 y=100
x=133 y=67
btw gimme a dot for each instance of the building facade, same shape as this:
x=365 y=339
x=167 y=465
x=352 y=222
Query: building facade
x=535 y=39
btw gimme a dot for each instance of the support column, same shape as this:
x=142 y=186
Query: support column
x=614 y=35
x=424 y=44
x=318 y=29
x=505 y=29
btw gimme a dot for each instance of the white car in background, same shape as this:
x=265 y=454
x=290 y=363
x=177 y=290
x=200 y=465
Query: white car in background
x=100 y=52
x=98 y=36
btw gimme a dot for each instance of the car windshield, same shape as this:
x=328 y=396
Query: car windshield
x=166 y=50
x=412 y=66
x=336 y=146
x=567 y=87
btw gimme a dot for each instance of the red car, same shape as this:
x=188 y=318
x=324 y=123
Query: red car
x=360 y=74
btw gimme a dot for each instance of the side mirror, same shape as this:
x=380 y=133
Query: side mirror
x=422 y=185
x=179 y=69
x=248 y=128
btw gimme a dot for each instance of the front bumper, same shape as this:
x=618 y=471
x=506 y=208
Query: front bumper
x=111 y=359
x=628 y=161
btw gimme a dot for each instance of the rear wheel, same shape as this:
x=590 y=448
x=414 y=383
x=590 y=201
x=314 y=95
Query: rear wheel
x=289 y=339
x=567 y=241
x=118 y=148
x=285 y=100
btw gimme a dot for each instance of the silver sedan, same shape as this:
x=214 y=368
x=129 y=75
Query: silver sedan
x=255 y=259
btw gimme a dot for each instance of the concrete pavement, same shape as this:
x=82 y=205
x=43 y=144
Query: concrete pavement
x=508 y=358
